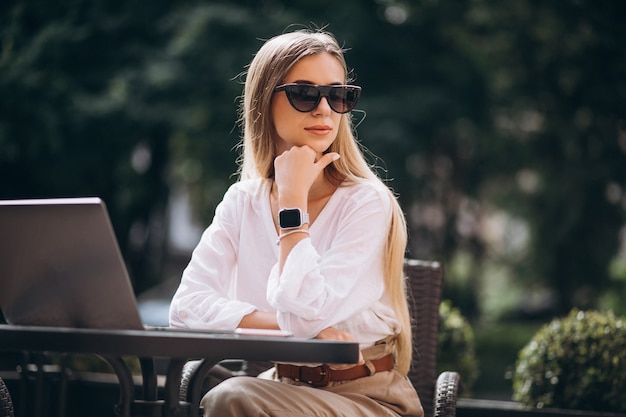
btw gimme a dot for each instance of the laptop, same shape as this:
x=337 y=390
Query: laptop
x=60 y=265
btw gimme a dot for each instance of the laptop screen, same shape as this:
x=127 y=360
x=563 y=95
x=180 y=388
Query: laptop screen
x=60 y=265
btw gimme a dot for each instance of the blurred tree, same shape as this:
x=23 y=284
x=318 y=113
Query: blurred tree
x=80 y=114
x=557 y=150
x=501 y=126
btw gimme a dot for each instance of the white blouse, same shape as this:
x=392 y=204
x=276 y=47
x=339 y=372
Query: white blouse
x=333 y=278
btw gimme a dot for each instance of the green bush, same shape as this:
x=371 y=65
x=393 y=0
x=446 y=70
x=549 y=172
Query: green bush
x=576 y=362
x=456 y=348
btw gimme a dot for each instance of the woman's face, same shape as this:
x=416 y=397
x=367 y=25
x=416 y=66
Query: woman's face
x=317 y=128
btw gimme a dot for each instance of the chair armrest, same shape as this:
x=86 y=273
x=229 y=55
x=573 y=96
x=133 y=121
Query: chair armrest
x=446 y=391
x=193 y=376
x=6 y=405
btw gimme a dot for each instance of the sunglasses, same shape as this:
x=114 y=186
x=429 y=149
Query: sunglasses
x=306 y=97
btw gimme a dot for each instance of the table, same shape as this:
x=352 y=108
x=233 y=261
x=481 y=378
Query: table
x=179 y=347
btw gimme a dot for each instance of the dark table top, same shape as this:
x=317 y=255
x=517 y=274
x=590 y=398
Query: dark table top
x=176 y=344
x=179 y=346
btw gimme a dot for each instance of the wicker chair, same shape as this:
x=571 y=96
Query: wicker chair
x=6 y=405
x=424 y=293
x=438 y=396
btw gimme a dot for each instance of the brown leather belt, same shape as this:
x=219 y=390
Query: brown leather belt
x=321 y=376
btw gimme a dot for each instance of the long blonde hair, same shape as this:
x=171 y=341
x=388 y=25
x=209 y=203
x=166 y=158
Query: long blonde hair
x=266 y=71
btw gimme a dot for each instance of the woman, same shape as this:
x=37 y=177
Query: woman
x=309 y=240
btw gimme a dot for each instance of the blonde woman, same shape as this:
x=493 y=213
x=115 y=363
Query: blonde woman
x=309 y=240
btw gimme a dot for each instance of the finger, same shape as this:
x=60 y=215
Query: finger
x=327 y=159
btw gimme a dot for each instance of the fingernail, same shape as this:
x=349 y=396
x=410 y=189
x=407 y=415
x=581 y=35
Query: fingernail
x=336 y=157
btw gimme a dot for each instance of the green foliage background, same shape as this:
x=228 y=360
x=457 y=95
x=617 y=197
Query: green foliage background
x=574 y=362
x=456 y=347
x=485 y=113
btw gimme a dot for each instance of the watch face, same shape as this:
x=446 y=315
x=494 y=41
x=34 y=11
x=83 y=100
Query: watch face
x=289 y=218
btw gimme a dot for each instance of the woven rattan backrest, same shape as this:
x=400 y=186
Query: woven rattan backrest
x=424 y=295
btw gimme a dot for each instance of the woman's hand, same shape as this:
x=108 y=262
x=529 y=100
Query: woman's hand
x=296 y=170
x=331 y=333
x=259 y=320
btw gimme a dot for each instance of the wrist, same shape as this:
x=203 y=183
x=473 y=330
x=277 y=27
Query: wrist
x=290 y=195
x=290 y=232
x=293 y=201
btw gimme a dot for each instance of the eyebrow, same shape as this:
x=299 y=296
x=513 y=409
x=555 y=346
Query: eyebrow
x=312 y=83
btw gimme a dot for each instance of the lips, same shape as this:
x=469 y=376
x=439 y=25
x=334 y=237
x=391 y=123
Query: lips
x=319 y=129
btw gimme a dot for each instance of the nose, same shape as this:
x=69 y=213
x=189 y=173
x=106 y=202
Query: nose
x=323 y=106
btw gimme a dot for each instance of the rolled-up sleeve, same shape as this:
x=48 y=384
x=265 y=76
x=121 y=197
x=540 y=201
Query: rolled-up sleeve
x=202 y=299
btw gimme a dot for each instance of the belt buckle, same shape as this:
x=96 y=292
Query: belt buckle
x=316 y=377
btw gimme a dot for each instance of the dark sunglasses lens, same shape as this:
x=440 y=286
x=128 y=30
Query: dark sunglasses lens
x=343 y=99
x=306 y=98
x=303 y=98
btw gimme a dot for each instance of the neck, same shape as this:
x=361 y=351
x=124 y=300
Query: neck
x=321 y=188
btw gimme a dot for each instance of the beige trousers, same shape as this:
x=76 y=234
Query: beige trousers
x=387 y=394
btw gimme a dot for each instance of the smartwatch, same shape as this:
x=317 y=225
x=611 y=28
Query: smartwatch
x=292 y=218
